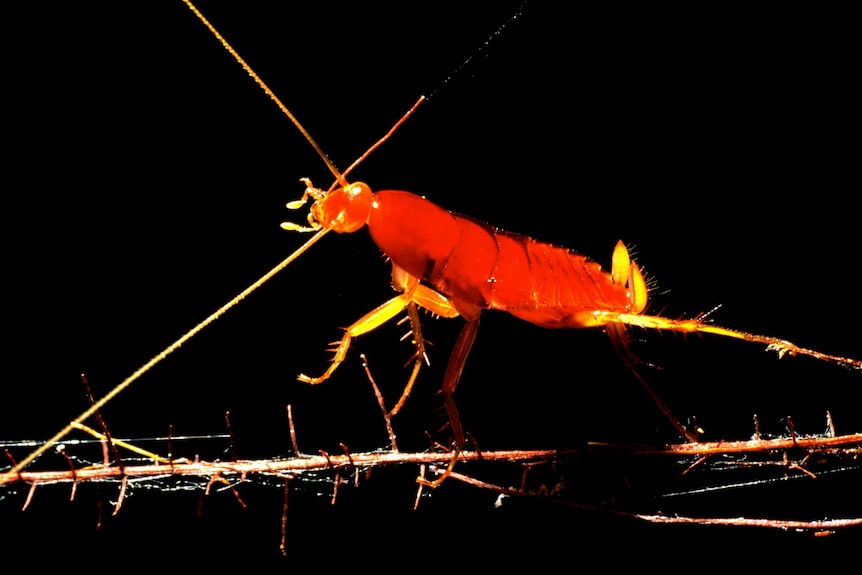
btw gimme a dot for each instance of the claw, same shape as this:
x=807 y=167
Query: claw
x=782 y=348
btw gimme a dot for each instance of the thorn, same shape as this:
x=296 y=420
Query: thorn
x=232 y=439
x=292 y=431
x=283 y=545
x=122 y=496
x=30 y=495
x=14 y=464
x=421 y=481
x=62 y=451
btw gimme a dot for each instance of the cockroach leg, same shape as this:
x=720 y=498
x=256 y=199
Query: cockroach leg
x=369 y=322
x=450 y=381
x=418 y=358
x=413 y=294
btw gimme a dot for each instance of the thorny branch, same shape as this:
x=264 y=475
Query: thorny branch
x=846 y=445
x=794 y=453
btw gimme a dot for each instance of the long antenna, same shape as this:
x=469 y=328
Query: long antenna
x=266 y=90
x=12 y=474
x=338 y=176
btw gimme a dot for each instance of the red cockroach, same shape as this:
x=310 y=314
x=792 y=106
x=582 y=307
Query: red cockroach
x=451 y=265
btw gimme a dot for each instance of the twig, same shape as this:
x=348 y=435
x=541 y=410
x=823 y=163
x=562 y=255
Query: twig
x=819 y=526
x=292 y=431
x=62 y=452
x=283 y=544
x=232 y=438
x=755 y=445
x=387 y=416
x=101 y=422
x=282 y=467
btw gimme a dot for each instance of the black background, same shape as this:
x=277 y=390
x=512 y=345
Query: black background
x=147 y=179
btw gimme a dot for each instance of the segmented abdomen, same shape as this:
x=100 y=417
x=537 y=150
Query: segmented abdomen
x=475 y=263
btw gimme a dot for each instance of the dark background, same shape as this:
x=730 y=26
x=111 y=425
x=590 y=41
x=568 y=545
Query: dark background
x=148 y=177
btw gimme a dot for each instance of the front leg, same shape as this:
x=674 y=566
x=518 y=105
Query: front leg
x=413 y=294
x=370 y=321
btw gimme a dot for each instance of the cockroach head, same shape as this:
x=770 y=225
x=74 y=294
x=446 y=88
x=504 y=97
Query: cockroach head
x=344 y=209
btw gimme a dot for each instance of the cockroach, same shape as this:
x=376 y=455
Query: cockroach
x=453 y=265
